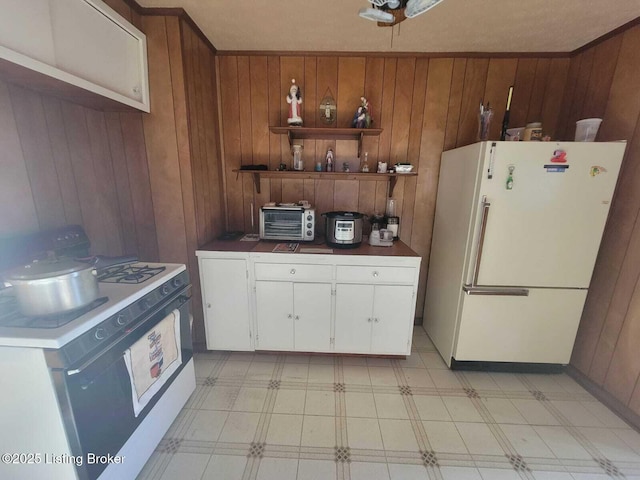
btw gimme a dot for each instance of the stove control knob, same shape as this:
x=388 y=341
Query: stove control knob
x=100 y=333
x=176 y=282
x=120 y=320
x=165 y=289
x=144 y=304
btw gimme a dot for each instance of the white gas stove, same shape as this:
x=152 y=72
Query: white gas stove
x=71 y=376
x=117 y=293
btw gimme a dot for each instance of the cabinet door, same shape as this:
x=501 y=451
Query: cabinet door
x=538 y=328
x=225 y=294
x=354 y=318
x=274 y=315
x=25 y=27
x=312 y=317
x=93 y=46
x=392 y=319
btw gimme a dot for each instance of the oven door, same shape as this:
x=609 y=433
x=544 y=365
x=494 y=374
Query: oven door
x=99 y=413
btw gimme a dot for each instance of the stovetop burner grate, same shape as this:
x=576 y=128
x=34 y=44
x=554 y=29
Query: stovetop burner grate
x=128 y=274
x=10 y=315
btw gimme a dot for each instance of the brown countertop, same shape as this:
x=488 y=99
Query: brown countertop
x=399 y=248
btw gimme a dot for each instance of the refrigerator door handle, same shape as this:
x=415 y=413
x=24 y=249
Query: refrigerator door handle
x=504 y=291
x=483 y=229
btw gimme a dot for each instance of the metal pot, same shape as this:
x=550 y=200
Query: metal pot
x=344 y=229
x=49 y=287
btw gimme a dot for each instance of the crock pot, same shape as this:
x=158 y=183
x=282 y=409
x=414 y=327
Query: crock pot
x=343 y=229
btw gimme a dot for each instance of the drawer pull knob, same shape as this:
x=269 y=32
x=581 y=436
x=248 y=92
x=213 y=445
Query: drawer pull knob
x=375 y=274
x=208 y=305
x=293 y=271
x=297 y=317
x=289 y=316
x=376 y=320
x=369 y=319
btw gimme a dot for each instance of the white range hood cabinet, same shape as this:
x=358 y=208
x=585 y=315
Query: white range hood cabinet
x=74 y=48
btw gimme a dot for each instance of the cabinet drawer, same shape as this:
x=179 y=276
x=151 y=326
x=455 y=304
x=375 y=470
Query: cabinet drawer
x=404 y=275
x=293 y=272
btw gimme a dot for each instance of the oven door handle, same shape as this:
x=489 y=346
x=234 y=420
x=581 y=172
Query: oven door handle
x=182 y=299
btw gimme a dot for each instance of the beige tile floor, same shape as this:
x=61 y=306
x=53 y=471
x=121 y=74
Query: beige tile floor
x=287 y=417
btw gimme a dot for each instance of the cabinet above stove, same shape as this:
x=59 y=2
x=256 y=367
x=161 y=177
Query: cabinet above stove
x=77 y=49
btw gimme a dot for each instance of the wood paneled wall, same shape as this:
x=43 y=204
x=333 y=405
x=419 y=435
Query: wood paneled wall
x=152 y=184
x=66 y=164
x=181 y=135
x=603 y=82
x=145 y=184
x=425 y=106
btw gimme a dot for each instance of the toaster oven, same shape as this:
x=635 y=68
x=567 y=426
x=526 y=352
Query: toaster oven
x=284 y=222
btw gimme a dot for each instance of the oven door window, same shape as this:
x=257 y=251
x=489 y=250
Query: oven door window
x=100 y=396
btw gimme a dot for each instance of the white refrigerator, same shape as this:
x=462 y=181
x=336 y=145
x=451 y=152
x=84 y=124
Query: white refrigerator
x=516 y=233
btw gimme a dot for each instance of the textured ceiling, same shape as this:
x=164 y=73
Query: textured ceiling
x=452 y=26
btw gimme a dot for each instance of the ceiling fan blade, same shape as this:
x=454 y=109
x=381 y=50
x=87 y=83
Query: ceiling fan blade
x=378 y=3
x=417 y=7
x=376 y=15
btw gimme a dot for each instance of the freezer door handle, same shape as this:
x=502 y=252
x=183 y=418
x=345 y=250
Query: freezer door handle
x=504 y=291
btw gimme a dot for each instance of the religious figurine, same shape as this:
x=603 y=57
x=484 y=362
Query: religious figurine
x=294 y=99
x=362 y=117
x=329 y=160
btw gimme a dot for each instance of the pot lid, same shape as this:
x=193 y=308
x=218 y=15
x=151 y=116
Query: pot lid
x=344 y=215
x=47 y=269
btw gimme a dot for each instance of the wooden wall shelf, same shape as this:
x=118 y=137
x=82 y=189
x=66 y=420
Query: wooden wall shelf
x=292 y=174
x=304 y=133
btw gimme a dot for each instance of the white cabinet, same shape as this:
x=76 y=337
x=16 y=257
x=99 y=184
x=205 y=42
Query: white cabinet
x=83 y=43
x=375 y=307
x=309 y=303
x=354 y=304
x=393 y=315
x=94 y=45
x=25 y=28
x=293 y=315
x=274 y=315
x=374 y=318
x=312 y=317
x=226 y=304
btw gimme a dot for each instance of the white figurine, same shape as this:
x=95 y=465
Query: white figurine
x=294 y=99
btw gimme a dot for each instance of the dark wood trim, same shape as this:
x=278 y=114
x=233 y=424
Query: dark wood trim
x=606 y=36
x=171 y=12
x=394 y=54
x=620 y=409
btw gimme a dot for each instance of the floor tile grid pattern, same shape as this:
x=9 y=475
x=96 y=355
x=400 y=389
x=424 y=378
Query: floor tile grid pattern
x=477 y=388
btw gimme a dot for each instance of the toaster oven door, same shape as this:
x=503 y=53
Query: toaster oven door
x=281 y=224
